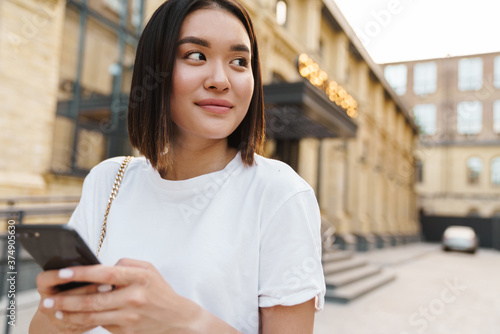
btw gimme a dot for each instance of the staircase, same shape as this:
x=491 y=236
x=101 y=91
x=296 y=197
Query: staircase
x=348 y=277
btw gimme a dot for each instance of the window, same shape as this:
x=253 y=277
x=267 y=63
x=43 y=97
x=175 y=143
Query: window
x=281 y=12
x=137 y=10
x=94 y=128
x=419 y=173
x=496 y=79
x=474 y=167
x=425 y=78
x=496 y=117
x=469 y=120
x=396 y=77
x=425 y=117
x=470 y=74
x=495 y=172
x=116 y=6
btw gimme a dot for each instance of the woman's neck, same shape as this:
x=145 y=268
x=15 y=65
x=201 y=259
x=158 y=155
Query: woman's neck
x=189 y=161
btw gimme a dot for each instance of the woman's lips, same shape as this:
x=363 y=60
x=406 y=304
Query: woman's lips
x=216 y=106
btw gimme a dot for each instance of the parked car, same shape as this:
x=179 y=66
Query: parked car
x=460 y=238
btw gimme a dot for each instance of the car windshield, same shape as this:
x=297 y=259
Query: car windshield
x=459 y=232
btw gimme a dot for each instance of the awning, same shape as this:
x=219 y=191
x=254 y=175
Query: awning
x=299 y=110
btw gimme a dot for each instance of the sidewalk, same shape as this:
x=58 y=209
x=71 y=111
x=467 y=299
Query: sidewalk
x=434 y=292
x=334 y=317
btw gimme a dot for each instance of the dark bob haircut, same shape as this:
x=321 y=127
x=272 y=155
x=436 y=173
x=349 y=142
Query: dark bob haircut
x=150 y=125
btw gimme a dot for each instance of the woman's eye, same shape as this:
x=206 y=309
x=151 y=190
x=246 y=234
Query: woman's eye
x=240 y=62
x=195 y=56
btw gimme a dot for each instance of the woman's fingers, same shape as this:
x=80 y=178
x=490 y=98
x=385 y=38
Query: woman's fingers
x=91 y=320
x=98 y=302
x=137 y=285
x=104 y=309
x=119 y=275
x=48 y=280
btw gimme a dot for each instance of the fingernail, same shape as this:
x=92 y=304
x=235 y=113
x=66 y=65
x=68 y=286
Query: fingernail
x=48 y=303
x=59 y=315
x=66 y=273
x=104 y=288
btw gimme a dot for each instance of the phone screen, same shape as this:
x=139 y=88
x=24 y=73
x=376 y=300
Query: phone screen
x=56 y=247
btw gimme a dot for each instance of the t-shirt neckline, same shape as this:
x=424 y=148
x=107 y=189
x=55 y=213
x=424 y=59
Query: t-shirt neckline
x=197 y=181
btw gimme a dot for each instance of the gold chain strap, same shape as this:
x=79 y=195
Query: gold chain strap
x=114 y=193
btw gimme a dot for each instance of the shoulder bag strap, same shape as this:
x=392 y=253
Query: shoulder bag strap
x=114 y=193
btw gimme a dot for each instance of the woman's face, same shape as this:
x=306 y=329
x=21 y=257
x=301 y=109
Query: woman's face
x=212 y=80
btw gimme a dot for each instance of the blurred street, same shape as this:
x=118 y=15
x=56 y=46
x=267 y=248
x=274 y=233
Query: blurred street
x=434 y=292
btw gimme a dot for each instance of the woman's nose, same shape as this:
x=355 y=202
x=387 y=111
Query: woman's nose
x=218 y=79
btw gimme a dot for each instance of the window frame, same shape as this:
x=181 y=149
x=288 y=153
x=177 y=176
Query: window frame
x=473 y=180
x=496 y=117
x=425 y=78
x=103 y=114
x=467 y=79
x=284 y=5
x=463 y=122
x=398 y=87
x=496 y=72
x=419 y=171
x=495 y=171
x=423 y=125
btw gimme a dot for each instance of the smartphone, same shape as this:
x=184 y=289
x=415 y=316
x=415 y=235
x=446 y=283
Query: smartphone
x=56 y=247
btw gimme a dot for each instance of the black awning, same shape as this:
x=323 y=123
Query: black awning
x=299 y=110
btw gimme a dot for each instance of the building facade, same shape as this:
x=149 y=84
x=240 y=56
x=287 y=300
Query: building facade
x=456 y=103
x=331 y=114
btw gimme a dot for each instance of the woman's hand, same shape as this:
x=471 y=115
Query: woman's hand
x=45 y=320
x=141 y=301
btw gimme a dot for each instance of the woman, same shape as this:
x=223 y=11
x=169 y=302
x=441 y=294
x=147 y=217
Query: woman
x=206 y=236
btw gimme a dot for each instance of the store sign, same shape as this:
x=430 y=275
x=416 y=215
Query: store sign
x=319 y=78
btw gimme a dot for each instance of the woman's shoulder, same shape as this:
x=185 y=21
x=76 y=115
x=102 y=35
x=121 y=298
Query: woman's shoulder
x=278 y=175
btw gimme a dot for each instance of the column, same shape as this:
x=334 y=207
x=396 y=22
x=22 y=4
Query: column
x=308 y=161
x=333 y=178
x=312 y=25
x=30 y=48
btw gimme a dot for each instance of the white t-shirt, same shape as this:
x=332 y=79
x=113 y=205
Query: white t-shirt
x=231 y=241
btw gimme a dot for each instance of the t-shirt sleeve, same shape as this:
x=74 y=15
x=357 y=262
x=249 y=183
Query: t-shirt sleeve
x=290 y=266
x=83 y=213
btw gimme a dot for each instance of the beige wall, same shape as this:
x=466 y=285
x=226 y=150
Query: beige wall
x=30 y=46
x=445 y=189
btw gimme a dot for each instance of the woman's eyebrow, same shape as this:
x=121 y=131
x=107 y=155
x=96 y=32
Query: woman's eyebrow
x=240 y=48
x=194 y=40
x=205 y=43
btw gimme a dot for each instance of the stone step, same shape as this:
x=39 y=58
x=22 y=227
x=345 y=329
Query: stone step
x=350 y=276
x=354 y=290
x=336 y=256
x=339 y=266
